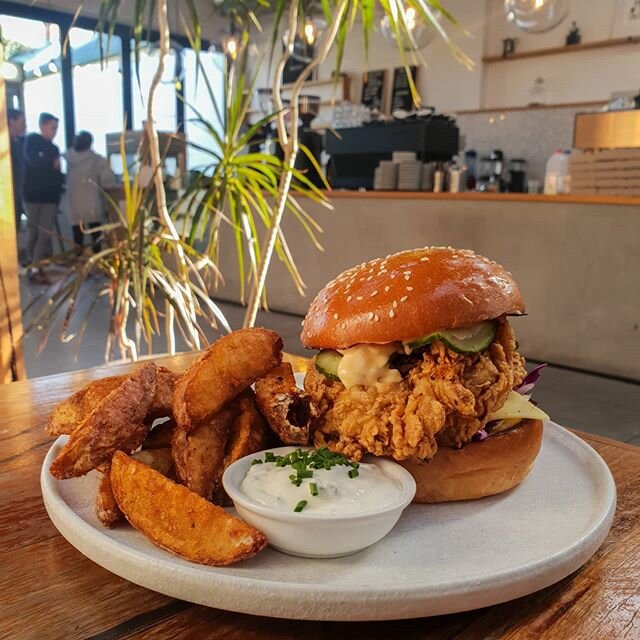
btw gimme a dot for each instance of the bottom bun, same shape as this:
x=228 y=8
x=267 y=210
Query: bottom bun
x=479 y=469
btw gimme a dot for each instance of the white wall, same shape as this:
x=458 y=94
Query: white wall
x=582 y=76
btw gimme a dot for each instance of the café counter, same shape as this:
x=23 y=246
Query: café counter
x=576 y=259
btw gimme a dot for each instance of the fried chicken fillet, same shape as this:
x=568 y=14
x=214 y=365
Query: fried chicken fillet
x=443 y=399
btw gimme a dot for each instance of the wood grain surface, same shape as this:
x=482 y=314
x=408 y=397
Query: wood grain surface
x=50 y=590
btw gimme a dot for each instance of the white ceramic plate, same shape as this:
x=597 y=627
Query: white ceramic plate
x=438 y=559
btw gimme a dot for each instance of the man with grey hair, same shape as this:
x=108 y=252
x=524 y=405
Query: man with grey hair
x=42 y=189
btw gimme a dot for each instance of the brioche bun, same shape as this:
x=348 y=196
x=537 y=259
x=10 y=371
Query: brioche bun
x=479 y=469
x=408 y=295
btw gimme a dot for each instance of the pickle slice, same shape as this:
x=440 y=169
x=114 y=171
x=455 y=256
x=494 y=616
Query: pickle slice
x=463 y=340
x=327 y=362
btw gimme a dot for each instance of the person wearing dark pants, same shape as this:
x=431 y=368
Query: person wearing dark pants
x=79 y=234
x=88 y=174
x=42 y=188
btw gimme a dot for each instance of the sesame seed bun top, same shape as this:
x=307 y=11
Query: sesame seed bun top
x=408 y=295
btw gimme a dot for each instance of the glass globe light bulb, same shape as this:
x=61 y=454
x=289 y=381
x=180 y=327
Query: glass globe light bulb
x=536 y=16
x=421 y=32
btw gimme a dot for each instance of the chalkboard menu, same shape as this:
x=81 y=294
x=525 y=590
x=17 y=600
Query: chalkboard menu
x=373 y=88
x=401 y=97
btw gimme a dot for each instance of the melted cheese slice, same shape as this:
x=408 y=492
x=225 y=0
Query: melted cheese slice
x=517 y=406
x=367 y=364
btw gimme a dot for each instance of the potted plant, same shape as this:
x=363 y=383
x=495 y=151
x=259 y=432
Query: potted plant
x=161 y=262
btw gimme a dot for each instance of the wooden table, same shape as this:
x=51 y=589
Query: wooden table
x=50 y=590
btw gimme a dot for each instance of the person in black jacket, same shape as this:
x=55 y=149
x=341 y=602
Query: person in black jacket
x=42 y=189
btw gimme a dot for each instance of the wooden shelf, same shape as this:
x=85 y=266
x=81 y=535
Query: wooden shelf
x=571 y=48
x=318 y=83
x=531 y=107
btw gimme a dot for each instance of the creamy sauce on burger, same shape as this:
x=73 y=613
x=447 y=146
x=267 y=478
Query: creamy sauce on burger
x=342 y=489
x=368 y=364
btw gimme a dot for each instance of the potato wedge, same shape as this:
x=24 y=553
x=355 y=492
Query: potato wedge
x=248 y=434
x=248 y=431
x=159 y=460
x=199 y=454
x=178 y=520
x=116 y=423
x=288 y=410
x=107 y=509
x=160 y=436
x=161 y=405
x=227 y=367
x=75 y=409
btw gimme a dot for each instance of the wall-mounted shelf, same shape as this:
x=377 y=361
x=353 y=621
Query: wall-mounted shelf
x=533 y=107
x=572 y=48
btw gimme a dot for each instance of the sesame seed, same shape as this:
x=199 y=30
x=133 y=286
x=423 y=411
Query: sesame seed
x=391 y=313
x=404 y=299
x=409 y=288
x=374 y=293
x=358 y=297
x=349 y=298
x=395 y=304
x=386 y=288
x=370 y=315
x=393 y=275
x=424 y=259
x=335 y=316
x=407 y=277
x=407 y=273
x=369 y=278
x=375 y=317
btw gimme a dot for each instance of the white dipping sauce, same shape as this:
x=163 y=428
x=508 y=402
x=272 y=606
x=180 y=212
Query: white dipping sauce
x=270 y=486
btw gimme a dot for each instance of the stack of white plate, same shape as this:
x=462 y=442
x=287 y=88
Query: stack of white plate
x=409 y=175
x=385 y=177
x=403 y=156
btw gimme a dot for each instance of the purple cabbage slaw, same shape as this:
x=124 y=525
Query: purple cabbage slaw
x=524 y=388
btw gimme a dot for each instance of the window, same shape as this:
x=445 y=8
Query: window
x=34 y=47
x=164 y=107
x=97 y=85
x=198 y=99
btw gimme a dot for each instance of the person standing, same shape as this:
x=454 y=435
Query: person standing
x=87 y=174
x=42 y=188
x=17 y=129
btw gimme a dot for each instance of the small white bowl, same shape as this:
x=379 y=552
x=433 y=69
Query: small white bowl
x=315 y=535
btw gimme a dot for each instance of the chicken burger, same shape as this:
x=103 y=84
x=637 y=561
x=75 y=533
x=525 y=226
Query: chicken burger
x=418 y=362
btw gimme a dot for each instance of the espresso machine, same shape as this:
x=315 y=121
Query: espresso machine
x=309 y=107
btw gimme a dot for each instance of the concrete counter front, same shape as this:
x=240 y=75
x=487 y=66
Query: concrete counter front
x=577 y=261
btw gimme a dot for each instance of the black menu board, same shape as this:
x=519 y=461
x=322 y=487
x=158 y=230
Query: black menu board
x=373 y=88
x=401 y=97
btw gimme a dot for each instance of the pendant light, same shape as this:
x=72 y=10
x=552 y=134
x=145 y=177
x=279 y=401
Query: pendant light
x=536 y=16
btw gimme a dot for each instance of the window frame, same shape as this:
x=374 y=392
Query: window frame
x=65 y=22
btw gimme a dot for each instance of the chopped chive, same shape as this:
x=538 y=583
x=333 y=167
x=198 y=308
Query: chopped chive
x=313 y=488
x=300 y=506
x=305 y=473
x=269 y=456
x=256 y=461
x=353 y=473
